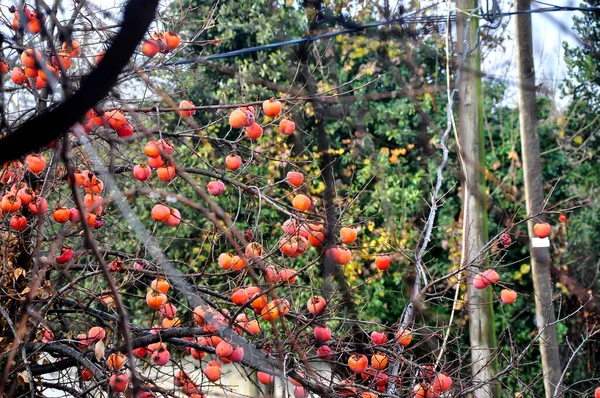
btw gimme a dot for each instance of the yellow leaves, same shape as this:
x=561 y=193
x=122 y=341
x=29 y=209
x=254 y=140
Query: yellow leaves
x=195 y=250
x=458 y=305
x=523 y=270
x=513 y=155
x=518 y=275
x=578 y=140
x=308 y=109
x=396 y=153
x=371 y=226
x=318 y=189
x=384 y=150
x=359 y=53
x=352 y=271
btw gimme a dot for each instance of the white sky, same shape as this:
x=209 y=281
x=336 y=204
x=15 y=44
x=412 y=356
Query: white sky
x=550 y=30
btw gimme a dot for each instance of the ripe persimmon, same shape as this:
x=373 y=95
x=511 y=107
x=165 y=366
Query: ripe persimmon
x=302 y=202
x=253 y=327
x=265 y=378
x=173 y=40
x=150 y=48
x=383 y=262
x=166 y=173
x=237 y=263
x=99 y=57
x=479 y=282
x=118 y=382
x=348 y=234
x=224 y=349
x=160 y=284
x=270 y=312
x=258 y=302
x=254 y=250
x=294 y=178
x=322 y=333
x=542 y=230
x=212 y=373
x=31 y=72
x=186 y=108
x=215 y=188
x=151 y=149
x=379 y=361
x=29 y=56
x=491 y=276
x=50 y=70
x=160 y=213
x=358 y=363
x=36 y=163
x=288 y=276
x=508 y=296
x=96 y=333
x=240 y=297
x=254 y=131
x=18 y=222
x=63 y=60
x=10 y=203
x=316 y=305
x=72 y=48
x=115 y=361
x=287 y=127
x=155 y=299
x=174 y=219
x=237 y=119
x=233 y=162
x=61 y=215
x=18 y=76
x=142 y=172
x=115 y=119
x=404 y=337
x=271 y=107
x=224 y=261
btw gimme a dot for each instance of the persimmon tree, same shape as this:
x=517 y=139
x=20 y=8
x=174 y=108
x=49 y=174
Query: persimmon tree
x=144 y=229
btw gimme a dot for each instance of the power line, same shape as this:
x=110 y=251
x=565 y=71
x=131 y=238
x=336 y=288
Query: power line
x=412 y=19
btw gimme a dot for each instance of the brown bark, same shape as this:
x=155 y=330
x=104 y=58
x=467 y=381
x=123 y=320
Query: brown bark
x=534 y=193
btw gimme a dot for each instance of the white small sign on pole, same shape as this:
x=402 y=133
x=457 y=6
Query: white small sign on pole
x=537 y=242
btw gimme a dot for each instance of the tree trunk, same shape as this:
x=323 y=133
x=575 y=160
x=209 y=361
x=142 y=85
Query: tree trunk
x=534 y=193
x=470 y=114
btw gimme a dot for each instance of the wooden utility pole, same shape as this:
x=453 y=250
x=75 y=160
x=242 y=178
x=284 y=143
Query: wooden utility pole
x=482 y=332
x=534 y=194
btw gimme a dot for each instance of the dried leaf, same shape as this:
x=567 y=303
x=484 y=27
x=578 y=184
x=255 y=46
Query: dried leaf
x=18 y=272
x=99 y=350
x=23 y=377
